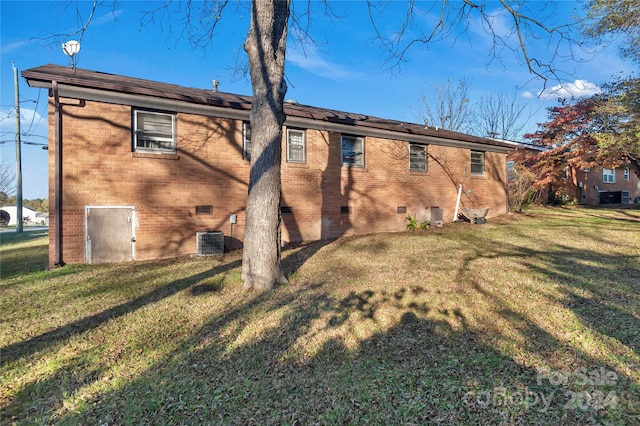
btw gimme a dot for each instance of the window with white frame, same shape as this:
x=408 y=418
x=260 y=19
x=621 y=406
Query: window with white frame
x=625 y=197
x=627 y=173
x=608 y=176
x=417 y=157
x=296 y=146
x=352 y=151
x=246 y=140
x=477 y=163
x=154 y=131
x=511 y=175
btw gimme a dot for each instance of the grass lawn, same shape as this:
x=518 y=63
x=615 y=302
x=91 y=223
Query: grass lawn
x=529 y=319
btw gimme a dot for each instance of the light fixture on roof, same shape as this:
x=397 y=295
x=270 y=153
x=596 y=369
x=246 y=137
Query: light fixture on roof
x=71 y=48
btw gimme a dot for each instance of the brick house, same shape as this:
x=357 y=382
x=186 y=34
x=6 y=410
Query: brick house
x=139 y=168
x=590 y=187
x=607 y=186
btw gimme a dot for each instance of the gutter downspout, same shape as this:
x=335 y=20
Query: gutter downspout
x=57 y=185
x=455 y=214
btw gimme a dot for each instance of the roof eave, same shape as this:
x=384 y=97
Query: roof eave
x=91 y=85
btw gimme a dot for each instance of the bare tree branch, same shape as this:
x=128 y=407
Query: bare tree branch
x=502 y=116
x=449 y=107
x=528 y=22
x=7 y=178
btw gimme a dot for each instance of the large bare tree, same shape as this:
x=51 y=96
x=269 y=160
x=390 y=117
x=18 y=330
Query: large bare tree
x=448 y=106
x=497 y=114
x=266 y=47
x=503 y=116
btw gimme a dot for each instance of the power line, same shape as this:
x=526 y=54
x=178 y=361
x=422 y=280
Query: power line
x=24 y=142
x=13 y=106
x=35 y=111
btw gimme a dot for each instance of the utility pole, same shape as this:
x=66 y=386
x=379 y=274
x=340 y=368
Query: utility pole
x=18 y=154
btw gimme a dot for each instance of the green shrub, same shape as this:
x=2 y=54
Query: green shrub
x=414 y=224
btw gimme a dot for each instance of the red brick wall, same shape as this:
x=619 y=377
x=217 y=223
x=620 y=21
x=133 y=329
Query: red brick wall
x=593 y=183
x=100 y=169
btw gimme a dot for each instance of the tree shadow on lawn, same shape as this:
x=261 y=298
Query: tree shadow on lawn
x=367 y=356
x=27 y=347
x=317 y=364
x=605 y=298
x=602 y=289
x=297 y=254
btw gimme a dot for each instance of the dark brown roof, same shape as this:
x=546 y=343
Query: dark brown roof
x=136 y=86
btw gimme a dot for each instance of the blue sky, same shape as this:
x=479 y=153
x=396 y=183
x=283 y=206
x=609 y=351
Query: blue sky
x=343 y=69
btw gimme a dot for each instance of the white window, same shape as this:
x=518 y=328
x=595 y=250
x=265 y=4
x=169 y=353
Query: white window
x=608 y=176
x=352 y=151
x=296 y=146
x=246 y=140
x=154 y=131
x=417 y=157
x=477 y=162
x=627 y=173
x=626 y=199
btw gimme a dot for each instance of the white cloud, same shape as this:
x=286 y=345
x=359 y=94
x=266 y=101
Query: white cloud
x=107 y=17
x=310 y=60
x=576 y=89
x=33 y=126
x=7 y=119
x=12 y=47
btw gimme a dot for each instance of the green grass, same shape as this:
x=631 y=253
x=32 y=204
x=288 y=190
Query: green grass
x=529 y=319
x=23 y=252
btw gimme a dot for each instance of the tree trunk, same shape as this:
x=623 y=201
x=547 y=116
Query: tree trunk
x=265 y=46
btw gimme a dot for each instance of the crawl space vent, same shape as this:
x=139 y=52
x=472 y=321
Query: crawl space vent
x=208 y=243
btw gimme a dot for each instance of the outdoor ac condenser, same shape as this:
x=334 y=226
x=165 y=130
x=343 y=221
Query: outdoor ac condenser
x=210 y=242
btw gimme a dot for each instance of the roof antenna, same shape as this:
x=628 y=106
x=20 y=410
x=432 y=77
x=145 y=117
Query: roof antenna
x=71 y=48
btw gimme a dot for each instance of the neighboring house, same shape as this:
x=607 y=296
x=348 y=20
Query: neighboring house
x=607 y=186
x=28 y=215
x=138 y=168
x=42 y=218
x=587 y=186
x=524 y=153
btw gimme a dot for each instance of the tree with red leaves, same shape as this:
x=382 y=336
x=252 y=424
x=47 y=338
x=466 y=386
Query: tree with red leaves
x=568 y=137
x=618 y=137
x=601 y=131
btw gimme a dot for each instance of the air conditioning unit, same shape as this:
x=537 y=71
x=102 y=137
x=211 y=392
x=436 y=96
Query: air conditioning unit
x=210 y=242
